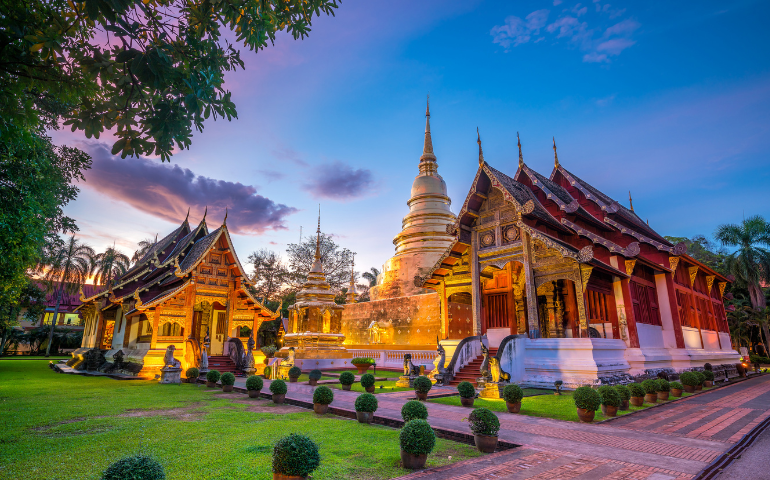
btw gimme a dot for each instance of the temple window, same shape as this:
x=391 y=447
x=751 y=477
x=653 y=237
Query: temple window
x=171 y=329
x=644 y=296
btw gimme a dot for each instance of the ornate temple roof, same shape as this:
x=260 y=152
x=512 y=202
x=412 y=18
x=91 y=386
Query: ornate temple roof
x=316 y=291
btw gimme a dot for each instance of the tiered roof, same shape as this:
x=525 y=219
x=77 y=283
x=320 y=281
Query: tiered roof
x=316 y=291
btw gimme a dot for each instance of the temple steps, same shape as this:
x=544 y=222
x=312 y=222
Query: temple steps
x=223 y=363
x=471 y=372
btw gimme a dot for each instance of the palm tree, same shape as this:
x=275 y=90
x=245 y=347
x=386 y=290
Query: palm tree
x=68 y=264
x=371 y=276
x=750 y=263
x=141 y=248
x=110 y=265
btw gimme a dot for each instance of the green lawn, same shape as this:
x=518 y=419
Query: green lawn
x=304 y=378
x=384 y=386
x=56 y=426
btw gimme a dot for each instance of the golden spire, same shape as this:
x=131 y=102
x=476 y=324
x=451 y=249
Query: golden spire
x=318 y=236
x=630 y=201
x=428 y=159
x=521 y=157
x=351 y=295
x=555 y=156
x=481 y=154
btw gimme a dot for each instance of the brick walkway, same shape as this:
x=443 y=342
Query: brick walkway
x=678 y=440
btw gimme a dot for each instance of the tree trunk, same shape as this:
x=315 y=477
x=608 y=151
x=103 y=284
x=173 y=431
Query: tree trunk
x=757 y=296
x=53 y=321
x=2 y=342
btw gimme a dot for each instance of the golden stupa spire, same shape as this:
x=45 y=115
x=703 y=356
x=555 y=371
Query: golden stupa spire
x=478 y=140
x=428 y=159
x=555 y=156
x=630 y=201
x=318 y=236
x=351 y=294
x=521 y=157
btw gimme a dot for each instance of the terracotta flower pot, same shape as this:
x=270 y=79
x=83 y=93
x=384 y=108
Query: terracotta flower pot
x=662 y=396
x=513 y=407
x=637 y=401
x=467 y=402
x=280 y=476
x=413 y=462
x=313 y=382
x=320 y=408
x=293 y=379
x=676 y=392
x=609 y=411
x=651 y=398
x=370 y=389
x=708 y=384
x=486 y=443
x=346 y=387
x=362 y=367
x=586 y=415
x=253 y=393
x=227 y=388
x=421 y=396
x=279 y=398
x=698 y=387
x=689 y=388
x=211 y=384
x=365 y=417
x=624 y=405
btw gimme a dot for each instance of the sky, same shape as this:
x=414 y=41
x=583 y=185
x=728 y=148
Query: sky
x=667 y=100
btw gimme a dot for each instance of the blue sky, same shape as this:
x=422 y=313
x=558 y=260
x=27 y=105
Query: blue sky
x=669 y=100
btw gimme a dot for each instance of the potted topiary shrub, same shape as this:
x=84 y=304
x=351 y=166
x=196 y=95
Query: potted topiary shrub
x=295 y=457
x=362 y=363
x=253 y=385
x=267 y=372
x=367 y=381
x=625 y=395
x=637 y=395
x=484 y=425
x=676 y=389
x=587 y=400
x=347 y=379
x=709 y=382
x=512 y=394
x=663 y=389
x=366 y=405
x=422 y=386
x=278 y=389
x=557 y=384
x=192 y=374
x=314 y=376
x=135 y=466
x=227 y=380
x=322 y=397
x=212 y=378
x=417 y=440
x=689 y=380
x=467 y=394
x=413 y=410
x=610 y=400
x=650 y=387
x=294 y=373
x=701 y=379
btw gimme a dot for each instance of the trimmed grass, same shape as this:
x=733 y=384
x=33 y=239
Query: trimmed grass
x=385 y=386
x=304 y=378
x=69 y=426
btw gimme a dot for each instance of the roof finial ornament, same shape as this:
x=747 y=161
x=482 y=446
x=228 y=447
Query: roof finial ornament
x=188 y=214
x=318 y=236
x=478 y=140
x=521 y=157
x=427 y=108
x=428 y=159
x=156 y=238
x=204 y=213
x=224 y=222
x=630 y=201
x=555 y=156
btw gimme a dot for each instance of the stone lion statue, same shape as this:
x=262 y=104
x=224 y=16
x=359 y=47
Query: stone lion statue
x=169 y=360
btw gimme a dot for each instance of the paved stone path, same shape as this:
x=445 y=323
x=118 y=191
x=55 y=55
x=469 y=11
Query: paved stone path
x=673 y=441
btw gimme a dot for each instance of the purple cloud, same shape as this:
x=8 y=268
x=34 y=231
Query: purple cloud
x=167 y=191
x=339 y=181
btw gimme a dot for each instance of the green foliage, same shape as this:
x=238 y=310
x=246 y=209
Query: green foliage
x=701 y=377
x=109 y=265
x=192 y=373
x=750 y=262
x=417 y=437
x=513 y=393
x=422 y=384
x=414 y=409
x=227 y=378
x=636 y=390
x=689 y=379
x=362 y=361
x=650 y=386
x=483 y=422
x=295 y=372
x=587 y=398
x=295 y=455
x=663 y=385
x=466 y=390
x=267 y=372
x=347 y=378
x=623 y=391
x=709 y=375
x=367 y=380
x=610 y=396
x=323 y=395
x=278 y=387
x=135 y=467
x=254 y=382
x=315 y=375
x=336 y=262
x=676 y=386
x=213 y=376
x=366 y=402
x=268 y=351
x=758 y=359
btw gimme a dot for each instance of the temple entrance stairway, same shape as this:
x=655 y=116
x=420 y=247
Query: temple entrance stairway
x=223 y=363
x=471 y=372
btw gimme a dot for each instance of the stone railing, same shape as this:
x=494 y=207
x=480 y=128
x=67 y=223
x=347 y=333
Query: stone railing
x=395 y=358
x=467 y=351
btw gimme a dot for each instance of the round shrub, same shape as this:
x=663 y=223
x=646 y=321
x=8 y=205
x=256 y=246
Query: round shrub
x=484 y=422
x=227 y=378
x=323 y=395
x=709 y=375
x=414 y=410
x=367 y=380
x=701 y=377
x=347 y=378
x=610 y=396
x=676 y=386
x=707 y=366
x=269 y=351
x=417 y=437
x=366 y=402
x=315 y=375
x=664 y=385
x=213 y=376
x=513 y=393
x=636 y=390
x=422 y=384
x=689 y=379
x=650 y=386
x=362 y=361
x=278 y=387
x=295 y=455
x=268 y=372
x=587 y=398
x=254 y=382
x=623 y=391
x=465 y=389
x=139 y=466
x=192 y=373
x=295 y=372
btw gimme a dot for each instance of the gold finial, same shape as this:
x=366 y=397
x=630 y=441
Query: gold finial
x=630 y=201
x=224 y=222
x=318 y=236
x=427 y=148
x=204 y=213
x=481 y=154
x=427 y=108
x=188 y=215
x=555 y=156
x=521 y=157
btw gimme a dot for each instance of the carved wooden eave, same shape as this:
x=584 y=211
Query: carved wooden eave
x=583 y=255
x=709 y=283
x=630 y=264
x=631 y=250
x=678 y=249
x=673 y=262
x=721 y=286
x=585 y=274
x=693 y=271
x=160 y=298
x=610 y=208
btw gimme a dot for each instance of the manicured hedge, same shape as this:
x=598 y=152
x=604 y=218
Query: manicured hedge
x=689 y=379
x=650 y=386
x=139 y=467
x=278 y=387
x=587 y=398
x=483 y=422
x=192 y=373
x=323 y=395
x=663 y=385
x=422 y=384
x=213 y=376
x=610 y=396
x=623 y=391
x=295 y=455
x=366 y=402
x=254 y=382
x=414 y=409
x=347 y=378
x=466 y=390
x=367 y=380
x=417 y=437
x=227 y=378
x=295 y=372
x=636 y=390
x=513 y=393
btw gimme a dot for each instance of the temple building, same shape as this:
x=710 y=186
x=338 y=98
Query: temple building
x=189 y=290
